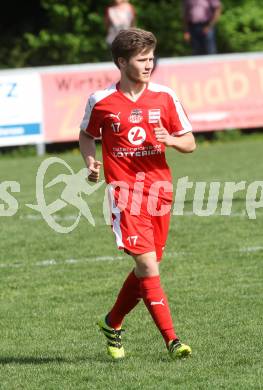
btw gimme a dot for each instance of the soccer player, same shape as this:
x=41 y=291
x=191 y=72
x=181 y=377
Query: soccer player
x=136 y=120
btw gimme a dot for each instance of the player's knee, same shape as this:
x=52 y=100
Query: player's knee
x=146 y=265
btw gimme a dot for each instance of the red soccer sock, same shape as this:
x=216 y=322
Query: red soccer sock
x=157 y=304
x=128 y=298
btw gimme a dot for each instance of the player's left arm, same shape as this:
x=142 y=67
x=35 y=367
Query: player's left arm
x=184 y=143
x=175 y=130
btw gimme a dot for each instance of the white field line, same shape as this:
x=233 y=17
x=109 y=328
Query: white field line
x=72 y=217
x=216 y=214
x=37 y=217
x=251 y=249
x=54 y=262
x=51 y=262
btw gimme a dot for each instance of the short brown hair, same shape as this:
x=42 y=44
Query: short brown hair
x=130 y=42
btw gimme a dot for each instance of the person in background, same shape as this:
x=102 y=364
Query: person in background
x=119 y=16
x=200 y=18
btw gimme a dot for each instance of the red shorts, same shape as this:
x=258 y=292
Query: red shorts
x=141 y=229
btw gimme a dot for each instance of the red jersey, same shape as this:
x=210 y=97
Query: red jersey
x=126 y=128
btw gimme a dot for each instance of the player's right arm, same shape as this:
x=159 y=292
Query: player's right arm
x=88 y=150
x=90 y=129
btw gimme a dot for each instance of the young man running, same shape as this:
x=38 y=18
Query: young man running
x=136 y=120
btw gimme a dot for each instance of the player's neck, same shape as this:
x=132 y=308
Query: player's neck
x=132 y=89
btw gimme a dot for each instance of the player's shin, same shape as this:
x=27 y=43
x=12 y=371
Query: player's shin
x=157 y=304
x=128 y=298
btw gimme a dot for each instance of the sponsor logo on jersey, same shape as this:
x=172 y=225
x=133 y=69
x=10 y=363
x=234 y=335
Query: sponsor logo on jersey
x=140 y=151
x=135 y=116
x=154 y=115
x=117 y=116
x=136 y=135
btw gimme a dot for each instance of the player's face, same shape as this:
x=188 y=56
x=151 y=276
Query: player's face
x=139 y=68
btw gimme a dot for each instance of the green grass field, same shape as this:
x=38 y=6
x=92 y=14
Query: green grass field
x=55 y=286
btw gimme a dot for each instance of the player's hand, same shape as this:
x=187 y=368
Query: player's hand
x=94 y=168
x=162 y=134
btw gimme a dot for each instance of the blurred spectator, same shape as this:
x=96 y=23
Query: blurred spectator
x=200 y=17
x=120 y=15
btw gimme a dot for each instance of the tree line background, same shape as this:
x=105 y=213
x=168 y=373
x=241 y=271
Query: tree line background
x=50 y=32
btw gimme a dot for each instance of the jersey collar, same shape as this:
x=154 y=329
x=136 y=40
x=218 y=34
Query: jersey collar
x=128 y=99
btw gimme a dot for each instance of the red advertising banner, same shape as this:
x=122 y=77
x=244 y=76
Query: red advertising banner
x=65 y=95
x=221 y=92
x=218 y=92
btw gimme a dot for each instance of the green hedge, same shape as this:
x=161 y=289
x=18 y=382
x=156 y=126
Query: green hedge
x=72 y=31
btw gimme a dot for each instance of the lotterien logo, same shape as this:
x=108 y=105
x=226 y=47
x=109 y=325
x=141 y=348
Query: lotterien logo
x=136 y=135
x=75 y=185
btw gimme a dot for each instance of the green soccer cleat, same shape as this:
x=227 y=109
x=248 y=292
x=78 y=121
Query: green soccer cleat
x=114 y=345
x=177 y=350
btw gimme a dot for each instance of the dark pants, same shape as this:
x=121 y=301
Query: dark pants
x=202 y=43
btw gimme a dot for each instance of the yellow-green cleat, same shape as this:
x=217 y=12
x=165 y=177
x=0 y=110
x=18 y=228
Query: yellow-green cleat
x=177 y=350
x=113 y=336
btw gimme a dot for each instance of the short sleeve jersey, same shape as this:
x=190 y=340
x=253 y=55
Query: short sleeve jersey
x=129 y=145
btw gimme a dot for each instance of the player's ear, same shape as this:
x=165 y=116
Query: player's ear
x=122 y=62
